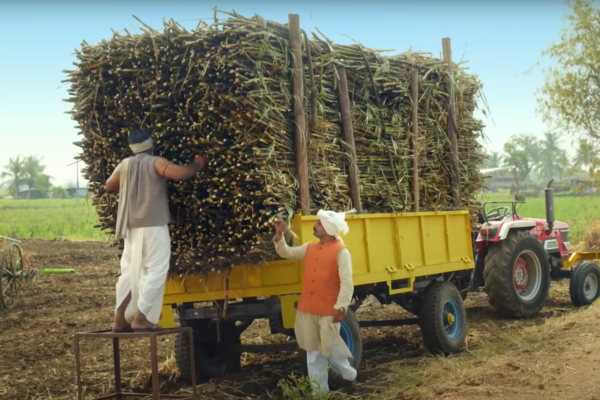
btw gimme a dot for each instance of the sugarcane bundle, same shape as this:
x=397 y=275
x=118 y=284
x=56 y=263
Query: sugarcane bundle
x=224 y=90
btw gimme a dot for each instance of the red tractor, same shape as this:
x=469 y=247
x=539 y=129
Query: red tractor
x=517 y=257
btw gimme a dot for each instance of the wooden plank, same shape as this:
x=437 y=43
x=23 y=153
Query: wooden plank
x=414 y=90
x=452 y=134
x=346 y=112
x=300 y=136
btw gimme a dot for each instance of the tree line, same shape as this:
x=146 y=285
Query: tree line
x=544 y=157
x=28 y=172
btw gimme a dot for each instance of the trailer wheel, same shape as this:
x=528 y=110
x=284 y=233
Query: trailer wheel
x=350 y=334
x=585 y=284
x=443 y=319
x=517 y=275
x=213 y=360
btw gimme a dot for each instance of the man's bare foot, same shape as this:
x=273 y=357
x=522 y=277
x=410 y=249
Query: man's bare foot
x=141 y=323
x=121 y=325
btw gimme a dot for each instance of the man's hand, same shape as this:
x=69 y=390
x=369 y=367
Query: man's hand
x=201 y=161
x=338 y=316
x=279 y=228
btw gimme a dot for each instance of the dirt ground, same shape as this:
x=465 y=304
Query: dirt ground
x=553 y=356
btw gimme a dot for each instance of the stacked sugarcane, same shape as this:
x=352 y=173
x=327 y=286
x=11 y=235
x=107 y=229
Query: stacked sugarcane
x=225 y=90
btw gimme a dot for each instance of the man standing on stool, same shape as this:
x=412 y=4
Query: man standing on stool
x=142 y=220
x=325 y=298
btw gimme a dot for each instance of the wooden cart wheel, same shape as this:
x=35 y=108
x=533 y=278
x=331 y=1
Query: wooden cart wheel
x=11 y=275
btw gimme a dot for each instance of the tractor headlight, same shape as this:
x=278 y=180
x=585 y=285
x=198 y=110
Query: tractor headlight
x=488 y=231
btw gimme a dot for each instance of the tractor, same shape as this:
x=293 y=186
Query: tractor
x=516 y=258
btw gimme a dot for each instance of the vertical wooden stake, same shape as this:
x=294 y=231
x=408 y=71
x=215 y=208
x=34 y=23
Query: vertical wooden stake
x=300 y=135
x=345 y=109
x=447 y=53
x=414 y=94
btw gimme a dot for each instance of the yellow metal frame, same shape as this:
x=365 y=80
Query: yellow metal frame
x=574 y=258
x=384 y=248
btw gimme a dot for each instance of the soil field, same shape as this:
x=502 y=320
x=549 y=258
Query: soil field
x=552 y=356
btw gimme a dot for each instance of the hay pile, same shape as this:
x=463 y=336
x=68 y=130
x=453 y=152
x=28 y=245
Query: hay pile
x=225 y=90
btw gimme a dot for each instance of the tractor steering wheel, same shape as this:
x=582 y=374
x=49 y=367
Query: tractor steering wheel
x=497 y=213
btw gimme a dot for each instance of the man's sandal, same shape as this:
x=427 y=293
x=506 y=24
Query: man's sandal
x=150 y=328
x=126 y=329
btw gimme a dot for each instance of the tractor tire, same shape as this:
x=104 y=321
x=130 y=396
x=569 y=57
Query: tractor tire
x=212 y=360
x=443 y=319
x=585 y=284
x=350 y=333
x=517 y=275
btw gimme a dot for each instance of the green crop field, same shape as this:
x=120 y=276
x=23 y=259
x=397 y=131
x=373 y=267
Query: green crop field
x=63 y=219
x=49 y=219
x=578 y=211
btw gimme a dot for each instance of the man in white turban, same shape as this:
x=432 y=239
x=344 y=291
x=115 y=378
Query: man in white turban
x=142 y=221
x=325 y=298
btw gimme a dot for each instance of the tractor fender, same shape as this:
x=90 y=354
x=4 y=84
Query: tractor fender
x=511 y=225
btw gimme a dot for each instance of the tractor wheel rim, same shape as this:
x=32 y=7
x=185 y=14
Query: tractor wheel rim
x=590 y=286
x=520 y=275
x=527 y=275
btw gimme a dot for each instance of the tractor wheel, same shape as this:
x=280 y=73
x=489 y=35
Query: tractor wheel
x=212 y=359
x=517 y=275
x=443 y=319
x=585 y=284
x=350 y=333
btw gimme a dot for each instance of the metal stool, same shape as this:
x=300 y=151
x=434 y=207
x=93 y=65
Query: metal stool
x=119 y=395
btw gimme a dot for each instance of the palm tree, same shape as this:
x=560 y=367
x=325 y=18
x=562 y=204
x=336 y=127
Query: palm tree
x=493 y=160
x=586 y=154
x=550 y=156
x=15 y=171
x=531 y=147
x=34 y=176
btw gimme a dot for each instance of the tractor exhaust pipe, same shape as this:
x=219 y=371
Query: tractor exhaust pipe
x=549 y=194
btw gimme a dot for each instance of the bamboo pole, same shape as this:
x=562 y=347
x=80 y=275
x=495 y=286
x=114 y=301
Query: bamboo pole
x=300 y=139
x=313 y=85
x=452 y=135
x=349 y=137
x=414 y=90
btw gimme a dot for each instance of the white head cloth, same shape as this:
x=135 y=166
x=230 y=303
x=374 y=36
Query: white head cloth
x=141 y=147
x=333 y=222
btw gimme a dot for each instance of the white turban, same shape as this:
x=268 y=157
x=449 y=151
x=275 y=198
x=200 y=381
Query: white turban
x=334 y=223
x=141 y=147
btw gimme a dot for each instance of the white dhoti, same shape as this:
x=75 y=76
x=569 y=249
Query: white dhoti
x=144 y=268
x=320 y=337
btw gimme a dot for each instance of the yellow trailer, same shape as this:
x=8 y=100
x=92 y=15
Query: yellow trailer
x=421 y=261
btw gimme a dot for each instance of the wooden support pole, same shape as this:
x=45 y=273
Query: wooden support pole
x=414 y=94
x=300 y=135
x=452 y=135
x=313 y=85
x=346 y=112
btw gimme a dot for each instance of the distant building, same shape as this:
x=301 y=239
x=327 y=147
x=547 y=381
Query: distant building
x=74 y=191
x=499 y=178
x=32 y=194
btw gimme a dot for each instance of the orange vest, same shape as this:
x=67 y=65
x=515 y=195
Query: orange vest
x=321 y=278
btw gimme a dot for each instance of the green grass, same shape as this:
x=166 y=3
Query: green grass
x=63 y=219
x=578 y=212
x=49 y=219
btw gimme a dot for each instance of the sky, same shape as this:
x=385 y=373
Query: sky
x=501 y=40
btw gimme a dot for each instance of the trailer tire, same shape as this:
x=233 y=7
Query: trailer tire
x=212 y=359
x=508 y=266
x=443 y=319
x=350 y=333
x=585 y=284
